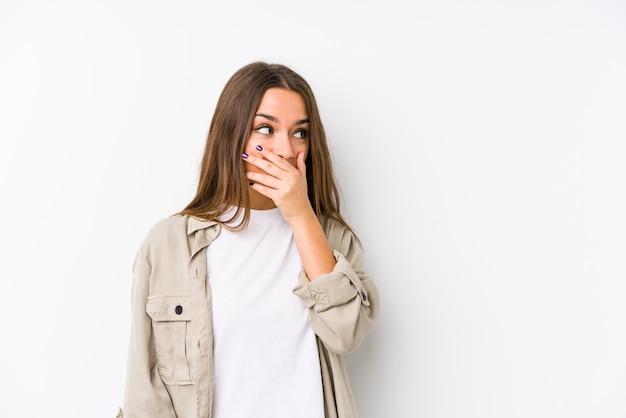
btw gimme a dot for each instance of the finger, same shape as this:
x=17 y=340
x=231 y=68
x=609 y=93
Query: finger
x=264 y=190
x=263 y=164
x=275 y=158
x=300 y=164
x=264 y=179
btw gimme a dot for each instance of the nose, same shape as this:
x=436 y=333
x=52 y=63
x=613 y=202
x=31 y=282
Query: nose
x=282 y=146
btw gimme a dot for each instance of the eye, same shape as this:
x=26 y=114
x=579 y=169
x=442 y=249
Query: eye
x=301 y=133
x=264 y=130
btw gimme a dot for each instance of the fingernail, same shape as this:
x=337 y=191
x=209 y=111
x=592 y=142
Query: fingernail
x=259 y=148
x=244 y=155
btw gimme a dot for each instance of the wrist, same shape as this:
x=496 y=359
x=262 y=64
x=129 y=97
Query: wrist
x=301 y=218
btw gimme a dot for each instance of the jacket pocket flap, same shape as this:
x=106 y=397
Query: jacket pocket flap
x=169 y=308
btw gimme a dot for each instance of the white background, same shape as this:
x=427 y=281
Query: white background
x=480 y=147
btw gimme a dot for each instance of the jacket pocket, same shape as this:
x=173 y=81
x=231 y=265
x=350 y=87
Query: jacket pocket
x=170 y=322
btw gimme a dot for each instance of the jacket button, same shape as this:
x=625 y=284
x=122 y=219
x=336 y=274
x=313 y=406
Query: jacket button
x=178 y=310
x=363 y=296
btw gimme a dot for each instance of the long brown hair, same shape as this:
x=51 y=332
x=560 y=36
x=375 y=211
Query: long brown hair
x=222 y=175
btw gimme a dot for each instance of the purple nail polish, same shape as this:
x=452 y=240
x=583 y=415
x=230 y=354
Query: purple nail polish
x=244 y=155
x=259 y=148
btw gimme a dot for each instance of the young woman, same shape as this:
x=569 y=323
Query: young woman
x=244 y=302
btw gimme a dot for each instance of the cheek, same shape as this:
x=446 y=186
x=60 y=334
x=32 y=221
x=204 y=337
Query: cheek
x=249 y=147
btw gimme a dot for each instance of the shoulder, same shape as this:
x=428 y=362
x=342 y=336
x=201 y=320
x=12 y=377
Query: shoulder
x=166 y=232
x=166 y=227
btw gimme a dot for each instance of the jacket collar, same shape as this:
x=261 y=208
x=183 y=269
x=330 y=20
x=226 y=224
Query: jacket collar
x=201 y=233
x=195 y=224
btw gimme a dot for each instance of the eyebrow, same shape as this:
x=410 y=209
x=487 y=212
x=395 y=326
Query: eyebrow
x=273 y=119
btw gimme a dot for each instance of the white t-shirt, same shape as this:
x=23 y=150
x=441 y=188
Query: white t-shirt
x=266 y=363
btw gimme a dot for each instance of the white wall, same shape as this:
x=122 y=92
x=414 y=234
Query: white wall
x=480 y=147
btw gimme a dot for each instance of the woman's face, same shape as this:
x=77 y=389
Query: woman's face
x=281 y=125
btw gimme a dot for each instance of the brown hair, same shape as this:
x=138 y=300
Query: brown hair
x=222 y=175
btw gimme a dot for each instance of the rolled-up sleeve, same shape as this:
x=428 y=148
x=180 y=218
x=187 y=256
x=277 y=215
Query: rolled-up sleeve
x=343 y=304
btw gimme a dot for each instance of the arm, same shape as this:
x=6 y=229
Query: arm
x=343 y=304
x=315 y=253
x=146 y=395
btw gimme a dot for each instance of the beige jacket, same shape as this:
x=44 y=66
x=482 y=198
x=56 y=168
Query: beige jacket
x=170 y=364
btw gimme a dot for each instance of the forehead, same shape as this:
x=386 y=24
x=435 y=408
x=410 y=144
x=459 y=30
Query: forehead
x=278 y=101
